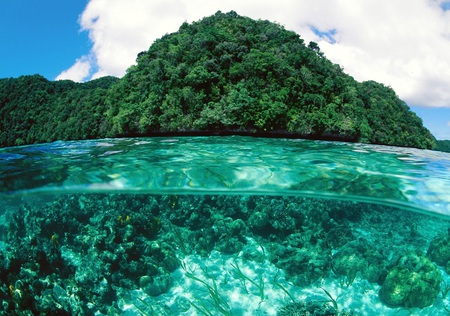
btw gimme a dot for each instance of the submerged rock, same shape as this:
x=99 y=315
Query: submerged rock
x=359 y=257
x=439 y=251
x=84 y=254
x=347 y=263
x=414 y=282
x=310 y=308
x=156 y=285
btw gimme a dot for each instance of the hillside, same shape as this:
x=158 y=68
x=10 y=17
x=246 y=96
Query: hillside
x=35 y=110
x=224 y=73
x=443 y=145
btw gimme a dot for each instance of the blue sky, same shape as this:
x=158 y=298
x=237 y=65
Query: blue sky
x=403 y=44
x=40 y=36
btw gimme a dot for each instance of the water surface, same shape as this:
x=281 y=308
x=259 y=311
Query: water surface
x=416 y=178
x=223 y=226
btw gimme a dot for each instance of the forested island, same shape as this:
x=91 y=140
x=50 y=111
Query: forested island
x=443 y=145
x=225 y=74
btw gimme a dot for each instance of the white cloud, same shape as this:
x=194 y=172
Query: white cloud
x=78 y=72
x=401 y=43
x=121 y=29
x=448 y=124
x=404 y=44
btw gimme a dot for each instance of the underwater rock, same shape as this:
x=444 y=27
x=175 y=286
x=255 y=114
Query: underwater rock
x=339 y=234
x=275 y=216
x=303 y=266
x=144 y=281
x=252 y=253
x=180 y=305
x=414 y=282
x=439 y=250
x=155 y=253
x=156 y=285
x=259 y=220
x=93 y=250
x=347 y=263
x=69 y=301
x=46 y=305
x=377 y=268
x=99 y=243
x=187 y=211
x=358 y=256
x=230 y=235
x=307 y=308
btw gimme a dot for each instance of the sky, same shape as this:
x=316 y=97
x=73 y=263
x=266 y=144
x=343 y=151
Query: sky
x=403 y=44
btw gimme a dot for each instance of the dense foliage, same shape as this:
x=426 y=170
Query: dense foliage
x=223 y=73
x=443 y=145
x=33 y=109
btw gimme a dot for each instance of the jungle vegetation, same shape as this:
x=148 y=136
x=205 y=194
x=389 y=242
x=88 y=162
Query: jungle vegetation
x=223 y=74
x=443 y=145
x=35 y=110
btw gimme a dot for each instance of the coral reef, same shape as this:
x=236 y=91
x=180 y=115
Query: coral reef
x=413 y=282
x=312 y=308
x=307 y=308
x=82 y=253
x=359 y=257
x=439 y=251
x=76 y=251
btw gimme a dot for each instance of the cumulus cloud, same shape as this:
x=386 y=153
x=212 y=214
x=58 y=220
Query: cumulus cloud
x=79 y=71
x=401 y=43
x=121 y=29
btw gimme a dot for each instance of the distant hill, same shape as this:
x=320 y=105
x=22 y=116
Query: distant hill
x=443 y=145
x=223 y=74
x=35 y=110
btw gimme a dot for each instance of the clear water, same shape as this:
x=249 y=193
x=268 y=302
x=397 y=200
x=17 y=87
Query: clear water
x=223 y=226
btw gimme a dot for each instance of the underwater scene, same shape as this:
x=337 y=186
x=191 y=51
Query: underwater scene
x=223 y=226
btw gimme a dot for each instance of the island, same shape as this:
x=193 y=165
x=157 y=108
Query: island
x=225 y=74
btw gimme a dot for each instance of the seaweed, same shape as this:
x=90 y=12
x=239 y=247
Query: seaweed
x=445 y=288
x=281 y=287
x=332 y=300
x=152 y=308
x=347 y=279
x=146 y=310
x=215 y=299
x=243 y=278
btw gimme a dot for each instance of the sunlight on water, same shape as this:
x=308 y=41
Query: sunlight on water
x=414 y=178
x=223 y=226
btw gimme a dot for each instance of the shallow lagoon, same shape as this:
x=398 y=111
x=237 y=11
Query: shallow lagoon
x=224 y=226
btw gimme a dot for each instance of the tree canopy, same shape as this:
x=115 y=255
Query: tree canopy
x=33 y=109
x=224 y=73
x=443 y=145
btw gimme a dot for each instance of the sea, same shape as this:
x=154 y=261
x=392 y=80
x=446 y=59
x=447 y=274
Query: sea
x=223 y=225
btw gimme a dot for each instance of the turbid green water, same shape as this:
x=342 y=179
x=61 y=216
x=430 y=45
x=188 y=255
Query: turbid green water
x=223 y=226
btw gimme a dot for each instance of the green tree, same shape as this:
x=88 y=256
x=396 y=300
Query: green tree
x=222 y=73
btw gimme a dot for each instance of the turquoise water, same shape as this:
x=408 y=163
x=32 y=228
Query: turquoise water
x=223 y=226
